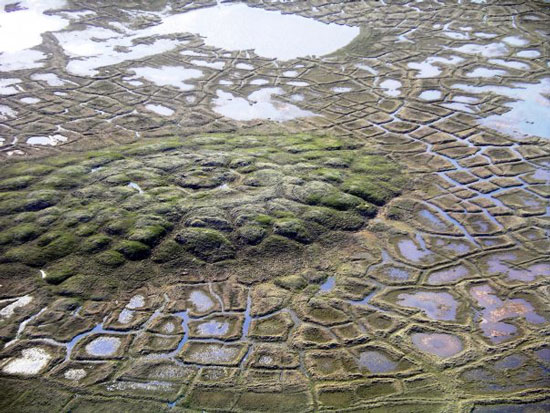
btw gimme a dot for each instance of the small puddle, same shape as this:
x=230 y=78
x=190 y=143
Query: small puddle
x=175 y=76
x=411 y=252
x=512 y=64
x=75 y=374
x=125 y=316
x=7 y=112
x=528 y=54
x=376 y=362
x=448 y=275
x=485 y=72
x=201 y=301
x=137 y=301
x=430 y=95
x=432 y=219
x=29 y=100
x=503 y=264
x=135 y=186
x=327 y=285
x=7 y=88
x=391 y=87
x=103 y=346
x=160 y=110
x=213 y=328
x=510 y=362
x=515 y=41
x=441 y=345
x=543 y=354
x=50 y=78
x=427 y=68
x=51 y=140
x=485 y=50
x=213 y=353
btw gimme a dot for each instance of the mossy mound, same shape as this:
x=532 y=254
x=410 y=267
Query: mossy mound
x=205 y=197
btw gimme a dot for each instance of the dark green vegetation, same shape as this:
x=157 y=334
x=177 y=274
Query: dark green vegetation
x=199 y=200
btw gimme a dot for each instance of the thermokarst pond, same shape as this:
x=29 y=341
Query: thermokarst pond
x=287 y=206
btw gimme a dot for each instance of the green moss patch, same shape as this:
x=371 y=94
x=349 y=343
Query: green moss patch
x=199 y=199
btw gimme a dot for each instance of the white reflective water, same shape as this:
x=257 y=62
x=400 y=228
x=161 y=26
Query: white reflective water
x=270 y=34
x=528 y=54
x=485 y=50
x=7 y=112
x=160 y=110
x=428 y=67
x=7 y=86
x=8 y=310
x=168 y=76
x=529 y=113
x=430 y=95
x=31 y=361
x=15 y=42
x=259 y=105
x=50 y=78
x=232 y=27
x=391 y=87
x=513 y=64
x=51 y=140
x=485 y=72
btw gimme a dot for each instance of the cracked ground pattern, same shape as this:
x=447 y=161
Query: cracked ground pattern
x=187 y=226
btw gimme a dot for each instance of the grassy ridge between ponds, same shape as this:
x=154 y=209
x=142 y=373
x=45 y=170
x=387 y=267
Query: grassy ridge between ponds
x=198 y=200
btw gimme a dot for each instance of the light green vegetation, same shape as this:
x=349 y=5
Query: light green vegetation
x=201 y=199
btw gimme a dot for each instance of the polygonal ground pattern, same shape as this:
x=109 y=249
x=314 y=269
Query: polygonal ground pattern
x=387 y=249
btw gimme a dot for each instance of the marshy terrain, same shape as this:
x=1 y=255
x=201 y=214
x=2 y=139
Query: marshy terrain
x=275 y=206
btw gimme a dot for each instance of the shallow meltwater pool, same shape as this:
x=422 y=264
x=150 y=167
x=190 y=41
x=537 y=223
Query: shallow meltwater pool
x=274 y=205
x=529 y=112
x=270 y=34
x=259 y=105
x=103 y=346
x=438 y=344
x=232 y=27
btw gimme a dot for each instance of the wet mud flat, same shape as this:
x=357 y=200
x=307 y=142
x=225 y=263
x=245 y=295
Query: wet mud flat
x=275 y=206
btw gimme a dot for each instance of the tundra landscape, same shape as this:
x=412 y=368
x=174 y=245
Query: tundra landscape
x=281 y=206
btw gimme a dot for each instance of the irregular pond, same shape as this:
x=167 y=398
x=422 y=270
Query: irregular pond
x=438 y=306
x=270 y=34
x=529 y=113
x=232 y=27
x=32 y=360
x=259 y=105
x=327 y=285
x=495 y=310
x=8 y=310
